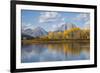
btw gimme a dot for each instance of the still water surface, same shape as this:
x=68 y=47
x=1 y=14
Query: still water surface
x=55 y=52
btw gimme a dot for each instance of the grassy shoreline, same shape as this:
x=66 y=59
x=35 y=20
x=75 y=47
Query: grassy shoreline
x=39 y=41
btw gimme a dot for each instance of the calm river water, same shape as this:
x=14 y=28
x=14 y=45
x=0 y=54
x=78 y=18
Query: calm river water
x=55 y=52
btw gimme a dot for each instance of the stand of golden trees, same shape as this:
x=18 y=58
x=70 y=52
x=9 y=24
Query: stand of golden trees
x=74 y=33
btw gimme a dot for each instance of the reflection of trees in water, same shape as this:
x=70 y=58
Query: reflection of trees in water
x=55 y=52
x=66 y=48
x=70 y=48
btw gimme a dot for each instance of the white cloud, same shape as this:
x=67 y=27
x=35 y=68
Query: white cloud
x=83 y=16
x=54 y=18
x=54 y=26
x=57 y=25
x=48 y=17
x=87 y=22
x=26 y=26
x=87 y=25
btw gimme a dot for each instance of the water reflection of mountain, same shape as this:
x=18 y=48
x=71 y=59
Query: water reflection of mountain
x=55 y=52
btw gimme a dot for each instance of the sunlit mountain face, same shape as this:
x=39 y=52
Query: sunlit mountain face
x=66 y=26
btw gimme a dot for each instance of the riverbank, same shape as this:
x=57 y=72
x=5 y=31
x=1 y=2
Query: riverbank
x=39 y=41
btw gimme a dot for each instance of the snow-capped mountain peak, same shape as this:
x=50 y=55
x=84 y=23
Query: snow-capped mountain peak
x=36 y=32
x=66 y=27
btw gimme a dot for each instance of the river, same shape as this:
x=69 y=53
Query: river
x=55 y=52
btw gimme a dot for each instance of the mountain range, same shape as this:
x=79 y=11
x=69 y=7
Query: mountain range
x=37 y=32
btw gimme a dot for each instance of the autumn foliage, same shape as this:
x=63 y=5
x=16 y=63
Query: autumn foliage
x=73 y=33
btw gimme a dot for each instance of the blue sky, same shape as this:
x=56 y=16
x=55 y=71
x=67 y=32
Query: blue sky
x=50 y=20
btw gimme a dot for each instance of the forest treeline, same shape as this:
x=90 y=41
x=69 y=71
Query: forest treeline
x=73 y=33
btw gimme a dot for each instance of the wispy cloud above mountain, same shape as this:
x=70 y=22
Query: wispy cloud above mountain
x=49 y=17
x=50 y=20
x=85 y=17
